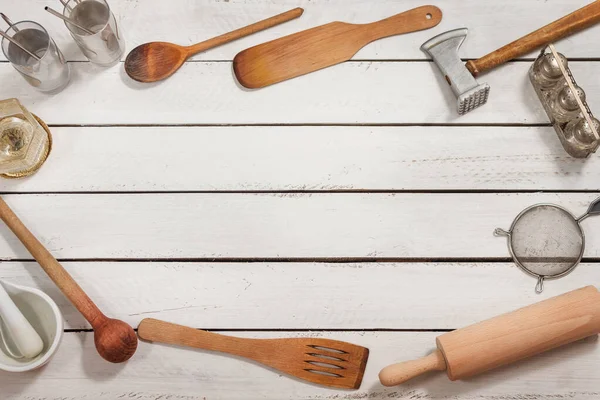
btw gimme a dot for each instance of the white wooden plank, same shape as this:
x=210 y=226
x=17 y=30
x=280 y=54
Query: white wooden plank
x=300 y=295
x=308 y=158
x=352 y=93
x=278 y=225
x=187 y=22
x=167 y=372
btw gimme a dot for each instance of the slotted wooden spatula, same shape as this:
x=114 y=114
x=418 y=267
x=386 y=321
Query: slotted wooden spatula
x=321 y=361
x=323 y=46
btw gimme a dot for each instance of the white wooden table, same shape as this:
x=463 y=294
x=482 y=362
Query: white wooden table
x=352 y=203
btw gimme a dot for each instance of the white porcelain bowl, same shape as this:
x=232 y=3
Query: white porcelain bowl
x=44 y=316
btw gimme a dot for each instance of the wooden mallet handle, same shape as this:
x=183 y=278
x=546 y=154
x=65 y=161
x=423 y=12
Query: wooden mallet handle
x=572 y=23
x=115 y=340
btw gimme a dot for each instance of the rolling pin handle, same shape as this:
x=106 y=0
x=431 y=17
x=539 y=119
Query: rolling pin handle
x=399 y=373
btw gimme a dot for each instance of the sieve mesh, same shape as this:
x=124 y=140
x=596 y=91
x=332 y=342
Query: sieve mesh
x=547 y=240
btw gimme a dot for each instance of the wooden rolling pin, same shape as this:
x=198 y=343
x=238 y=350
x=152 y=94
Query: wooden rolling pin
x=507 y=338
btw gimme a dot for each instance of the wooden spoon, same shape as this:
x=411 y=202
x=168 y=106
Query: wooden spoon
x=115 y=340
x=154 y=61
x=322 y=361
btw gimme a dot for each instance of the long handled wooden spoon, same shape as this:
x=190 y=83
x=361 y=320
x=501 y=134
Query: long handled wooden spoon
x=154 y=61
x=322 y=46
x=115 y=340
x=322 y=361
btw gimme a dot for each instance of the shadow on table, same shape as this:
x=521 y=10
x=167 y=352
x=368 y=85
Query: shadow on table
x=94 y=366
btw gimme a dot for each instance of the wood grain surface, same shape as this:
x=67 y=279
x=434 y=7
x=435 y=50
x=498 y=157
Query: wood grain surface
x=308 y=158
x=195 y=375
x=334 y=226
x=378 y=95
x=254 y=213
x=235 y=295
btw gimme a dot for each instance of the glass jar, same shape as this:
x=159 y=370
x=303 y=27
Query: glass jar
x=24 y=140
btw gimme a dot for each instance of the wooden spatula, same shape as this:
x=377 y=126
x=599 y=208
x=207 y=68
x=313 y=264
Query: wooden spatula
x=323 y=46
x=321 y=361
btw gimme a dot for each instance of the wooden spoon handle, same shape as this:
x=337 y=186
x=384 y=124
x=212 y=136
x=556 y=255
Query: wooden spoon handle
x=245 y=31
x=399 y=373
x=55 y=271
x=567 y=25
x=417 y=19
x=155 y=330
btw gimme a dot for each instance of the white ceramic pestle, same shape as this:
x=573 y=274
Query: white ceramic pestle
x=45 y=318
x=14 y=324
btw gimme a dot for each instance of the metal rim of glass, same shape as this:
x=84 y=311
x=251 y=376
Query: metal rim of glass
x=67 y=4
x=11 y=31
x=524 y=268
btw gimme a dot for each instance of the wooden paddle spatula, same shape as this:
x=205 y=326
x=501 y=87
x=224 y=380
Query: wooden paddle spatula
x=323 y=46
x=321 y=361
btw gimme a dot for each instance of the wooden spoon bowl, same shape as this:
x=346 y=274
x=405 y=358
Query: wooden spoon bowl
x=115 y=340
x=154 y=61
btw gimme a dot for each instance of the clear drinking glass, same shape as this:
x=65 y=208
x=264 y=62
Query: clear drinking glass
x=51 y=72
x=106 y=46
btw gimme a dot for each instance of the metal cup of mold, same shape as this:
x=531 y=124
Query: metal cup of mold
x=547 y=241
x=564 y=102
x=25 y=140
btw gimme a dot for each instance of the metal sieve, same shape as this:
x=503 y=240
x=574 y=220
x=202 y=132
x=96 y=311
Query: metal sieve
x=547 y=241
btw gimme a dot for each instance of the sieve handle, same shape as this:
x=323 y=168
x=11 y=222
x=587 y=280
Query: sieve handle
x=539 y=287
x=593 y=209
